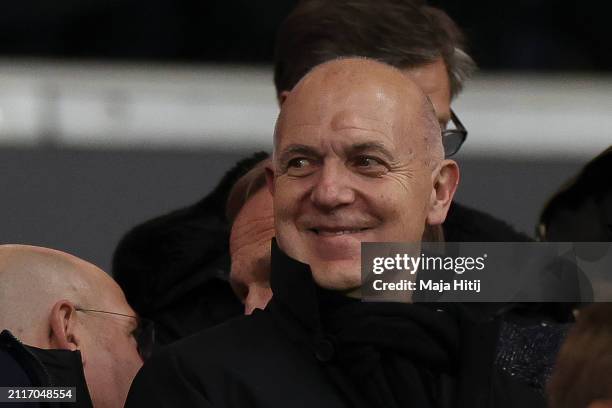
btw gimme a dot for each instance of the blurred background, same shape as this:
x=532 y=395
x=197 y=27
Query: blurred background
x=112 y=112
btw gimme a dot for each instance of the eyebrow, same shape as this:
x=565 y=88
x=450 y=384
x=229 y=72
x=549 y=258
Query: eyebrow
x=353 y=149
x=372 y=146
x=297 y=149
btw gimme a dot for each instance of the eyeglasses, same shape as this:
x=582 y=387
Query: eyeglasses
x=452 y=139
x=144 y=332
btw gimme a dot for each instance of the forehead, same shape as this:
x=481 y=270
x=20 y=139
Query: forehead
x=370 y=112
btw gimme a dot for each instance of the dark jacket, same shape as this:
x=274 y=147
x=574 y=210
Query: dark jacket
x=317 y=348
x=26 y=366
x=466 y=224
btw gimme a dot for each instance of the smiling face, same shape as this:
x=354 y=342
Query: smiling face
x=357 y=158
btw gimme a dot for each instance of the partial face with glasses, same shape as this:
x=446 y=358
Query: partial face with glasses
x=433 y=81
x=113 y=344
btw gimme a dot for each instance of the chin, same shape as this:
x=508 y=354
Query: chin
x=337 y=275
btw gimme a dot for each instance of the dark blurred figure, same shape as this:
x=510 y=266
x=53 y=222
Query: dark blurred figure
x=582 y=210
x=174 y=268
x=583 y=373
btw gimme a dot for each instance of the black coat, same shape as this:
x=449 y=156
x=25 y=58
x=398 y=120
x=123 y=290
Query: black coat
x=26 y=366
x=290 y=355
x=467 y=224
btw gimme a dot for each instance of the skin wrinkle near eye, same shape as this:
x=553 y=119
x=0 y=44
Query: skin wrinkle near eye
x=294 y=151
x=401 y=177
x=366 y=147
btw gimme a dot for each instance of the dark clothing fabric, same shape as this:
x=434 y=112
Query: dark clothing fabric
x=317 y=348
x=174 y=268
x=581 y=211
x=466 y=224
x=24 y=366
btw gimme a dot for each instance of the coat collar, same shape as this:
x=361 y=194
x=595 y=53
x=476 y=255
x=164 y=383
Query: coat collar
x=49 y=367
x=294 y=288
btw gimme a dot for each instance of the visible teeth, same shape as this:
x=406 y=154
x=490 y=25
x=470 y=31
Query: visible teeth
x=334 y=233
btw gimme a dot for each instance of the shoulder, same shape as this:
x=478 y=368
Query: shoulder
x=239 y=342
x=527 y=350
x=199 y=369
x=466 y=224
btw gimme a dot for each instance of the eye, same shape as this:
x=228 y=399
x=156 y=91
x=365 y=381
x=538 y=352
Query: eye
x=300 y=166
x=298 y=162
x=370 y=165
x=364 y=161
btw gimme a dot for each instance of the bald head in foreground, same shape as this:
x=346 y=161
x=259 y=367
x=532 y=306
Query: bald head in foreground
x=55 y=301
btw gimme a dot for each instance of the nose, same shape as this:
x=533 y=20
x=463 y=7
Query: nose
x=333 y=187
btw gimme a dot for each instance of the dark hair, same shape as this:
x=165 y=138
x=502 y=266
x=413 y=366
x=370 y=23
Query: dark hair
x=401 y=33
x=591 y=183
x=583 y=372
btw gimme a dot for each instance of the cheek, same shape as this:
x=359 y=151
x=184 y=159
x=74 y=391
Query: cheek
x=126 y=359
x=288 y=199
x=401 y=206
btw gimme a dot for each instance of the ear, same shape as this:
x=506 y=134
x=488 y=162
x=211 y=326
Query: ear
x=444 y=187
x=270 y=178
x=281 y=97
x=63 y=322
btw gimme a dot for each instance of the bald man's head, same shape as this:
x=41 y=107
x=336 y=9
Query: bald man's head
x=53 y=300
x=344 y=78
x=33 y=279
x=358 y=157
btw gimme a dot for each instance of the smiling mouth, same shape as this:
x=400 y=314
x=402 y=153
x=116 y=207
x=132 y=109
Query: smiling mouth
x=325 y=232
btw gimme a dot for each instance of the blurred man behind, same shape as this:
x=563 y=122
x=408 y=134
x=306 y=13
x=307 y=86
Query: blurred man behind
x=71 y=322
